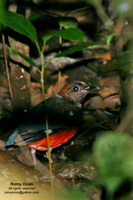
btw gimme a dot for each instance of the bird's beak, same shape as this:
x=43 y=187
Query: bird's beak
x=92 y=89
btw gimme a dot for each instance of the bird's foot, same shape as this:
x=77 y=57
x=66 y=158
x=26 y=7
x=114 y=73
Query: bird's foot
x=33 y=153
x=49 y=156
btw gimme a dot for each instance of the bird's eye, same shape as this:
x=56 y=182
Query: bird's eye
x=76 y=88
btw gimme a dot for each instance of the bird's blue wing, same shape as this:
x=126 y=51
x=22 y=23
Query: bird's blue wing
x=10 y=140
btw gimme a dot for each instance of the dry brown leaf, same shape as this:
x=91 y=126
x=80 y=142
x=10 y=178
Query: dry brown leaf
x=110 y=85
x=36 y=95
x=55 y=89
x=2 y=145
x=104 y=57
x=93 y=103
x=109 y=95
x=112 y=102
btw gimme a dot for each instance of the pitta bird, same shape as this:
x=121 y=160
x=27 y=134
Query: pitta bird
x=64 y=114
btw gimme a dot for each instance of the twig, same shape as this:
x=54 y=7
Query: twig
x=59 y=63
x=6 y=64
x=49 y=158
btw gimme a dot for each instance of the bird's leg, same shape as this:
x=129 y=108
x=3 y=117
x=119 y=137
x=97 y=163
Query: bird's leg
x=33 y=153
x=47 y=155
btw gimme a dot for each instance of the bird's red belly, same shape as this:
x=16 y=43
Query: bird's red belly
x=55 y=140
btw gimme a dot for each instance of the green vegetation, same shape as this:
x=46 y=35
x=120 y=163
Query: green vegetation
x=112 y=151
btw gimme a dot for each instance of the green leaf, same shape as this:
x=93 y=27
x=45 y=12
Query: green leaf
x=72 y=195
x=27 y=59
x=122 y=8
x=71 y=34
x=39 y=16
x=114 y=159
x=2 y=12
x=94 y=2
x=79 y=47
x=19 y=24
x=45 y=38
x=77 y=10
x=35 y=17
x=68 y=22
x=108 y=37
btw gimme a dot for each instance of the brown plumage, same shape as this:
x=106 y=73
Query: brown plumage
x=75 y=91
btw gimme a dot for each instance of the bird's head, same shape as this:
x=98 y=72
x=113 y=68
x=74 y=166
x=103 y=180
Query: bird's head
x=76 y=91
